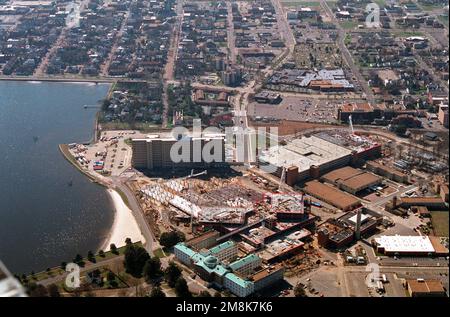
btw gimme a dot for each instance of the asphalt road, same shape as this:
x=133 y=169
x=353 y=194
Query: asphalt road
x=150 y=241
x=347 y=56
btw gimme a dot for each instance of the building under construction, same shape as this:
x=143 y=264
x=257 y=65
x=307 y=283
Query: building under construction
x=205 y=202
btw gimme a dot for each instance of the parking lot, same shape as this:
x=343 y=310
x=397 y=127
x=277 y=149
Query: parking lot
x=297 y=109
x=111 y=155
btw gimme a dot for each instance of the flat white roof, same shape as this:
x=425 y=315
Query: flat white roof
x=304 y=152
x=405 y=243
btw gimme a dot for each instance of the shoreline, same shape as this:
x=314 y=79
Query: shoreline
x=60 y=79
x=124 y=224
x=102 y=80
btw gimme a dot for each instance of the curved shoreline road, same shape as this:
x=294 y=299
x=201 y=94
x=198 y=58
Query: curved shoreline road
x=150 y=241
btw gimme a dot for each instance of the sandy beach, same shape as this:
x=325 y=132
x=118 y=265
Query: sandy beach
x=124 y=225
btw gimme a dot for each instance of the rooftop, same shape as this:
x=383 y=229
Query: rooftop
x=223 y=246
x=418 y=200
x=351 y=177
x=242 y=262
x=400 y=244
x=330 y=194
x=304 y=153
x=425 y=286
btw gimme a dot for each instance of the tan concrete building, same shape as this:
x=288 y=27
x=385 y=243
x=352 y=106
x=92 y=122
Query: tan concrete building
x=425 y=288
x=331 y=195
x=351 y=180
x=443 y=115
x=387 y=172
x=155 y=152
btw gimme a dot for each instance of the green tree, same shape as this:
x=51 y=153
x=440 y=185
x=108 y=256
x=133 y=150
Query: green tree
x=181 y=288
x=157 y=292
x=169 y=239
x=128 y=241
x=135 y=259
x=113 y=248
x=53 y=291
x=172 y=273
x=299 y=291
x=105 y=104
x=204 y=294
x=152 y=269
x=36 y=290
x=110 y=276
x=227 y=293
x=217 y=294
x=78 y=259
x=101 y=253
x=91 y=256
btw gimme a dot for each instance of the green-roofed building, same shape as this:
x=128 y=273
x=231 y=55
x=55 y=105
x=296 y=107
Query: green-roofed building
x=226 y=251
x=184 y=254
x=212 y=266
x=238 y=285
x=247 y=265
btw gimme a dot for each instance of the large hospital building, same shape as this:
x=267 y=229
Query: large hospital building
x=155 y=151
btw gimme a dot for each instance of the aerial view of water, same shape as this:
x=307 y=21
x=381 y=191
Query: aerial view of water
x=49 y=211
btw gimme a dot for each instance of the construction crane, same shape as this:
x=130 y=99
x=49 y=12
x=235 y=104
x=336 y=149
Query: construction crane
x=282 y=178
x=205 y=172
x=351 y=124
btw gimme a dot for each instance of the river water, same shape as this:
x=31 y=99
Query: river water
x=49 y=211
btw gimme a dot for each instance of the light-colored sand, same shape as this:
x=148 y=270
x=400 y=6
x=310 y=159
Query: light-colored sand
x=124 y=225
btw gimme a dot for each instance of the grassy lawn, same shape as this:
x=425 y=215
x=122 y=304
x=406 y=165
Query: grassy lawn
x=440 y=219
x=348 y=39
x=159 y=253
x=443 y=19
x=101 y=282
x=430 y=7
x=348 y=24
x=295 y=3
x=58 y=270
x=381 y=3
x=44 y=274
x=331 y=3
x=141 y=126
x=408 y=33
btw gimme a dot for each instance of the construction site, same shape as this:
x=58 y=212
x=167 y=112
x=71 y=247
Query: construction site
x=333 y=190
